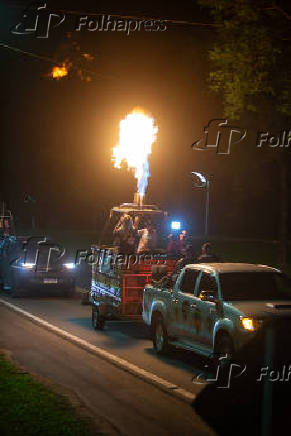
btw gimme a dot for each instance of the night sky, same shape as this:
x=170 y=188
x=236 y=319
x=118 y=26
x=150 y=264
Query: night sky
x=57 y=136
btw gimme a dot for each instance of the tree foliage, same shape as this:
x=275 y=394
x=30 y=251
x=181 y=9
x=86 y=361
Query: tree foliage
x=251 y=55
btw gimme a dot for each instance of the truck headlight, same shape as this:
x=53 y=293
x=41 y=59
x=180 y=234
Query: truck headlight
x=249 y=324
x=70 y=265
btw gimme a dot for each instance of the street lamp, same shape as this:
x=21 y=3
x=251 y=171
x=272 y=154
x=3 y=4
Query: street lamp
x=202 y=181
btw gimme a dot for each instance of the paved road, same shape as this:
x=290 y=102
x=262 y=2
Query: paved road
x=128 y=340
x=124 y=404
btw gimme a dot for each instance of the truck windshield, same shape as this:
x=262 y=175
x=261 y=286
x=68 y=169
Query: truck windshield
x=255 y=286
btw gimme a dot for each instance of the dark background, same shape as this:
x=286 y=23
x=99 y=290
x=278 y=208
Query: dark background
x=57 y=136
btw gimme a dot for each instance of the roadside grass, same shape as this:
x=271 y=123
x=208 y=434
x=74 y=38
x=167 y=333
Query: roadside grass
x=28 y=408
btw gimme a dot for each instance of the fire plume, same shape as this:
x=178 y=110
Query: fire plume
x=137 y=133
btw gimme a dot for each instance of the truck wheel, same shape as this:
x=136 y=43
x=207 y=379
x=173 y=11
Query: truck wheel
x=160 y=336
x=97 y=322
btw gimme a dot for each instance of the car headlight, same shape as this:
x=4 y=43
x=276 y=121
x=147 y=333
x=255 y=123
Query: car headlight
x=70 y=265
x=249 y=324
x=28 y=265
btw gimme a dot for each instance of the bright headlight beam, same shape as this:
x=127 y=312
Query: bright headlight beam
x=69 y=265
x=248 y=324
x=27 y=265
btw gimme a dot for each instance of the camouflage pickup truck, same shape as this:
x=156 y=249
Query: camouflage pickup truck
x=215 y=308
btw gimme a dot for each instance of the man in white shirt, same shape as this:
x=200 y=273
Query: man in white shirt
x=148 y=239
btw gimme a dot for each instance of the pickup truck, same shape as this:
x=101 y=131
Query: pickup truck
x=214 y=308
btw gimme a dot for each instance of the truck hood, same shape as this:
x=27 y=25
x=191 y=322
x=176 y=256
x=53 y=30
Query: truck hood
x=263 y=309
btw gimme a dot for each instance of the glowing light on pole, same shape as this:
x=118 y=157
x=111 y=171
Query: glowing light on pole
x=137 y=133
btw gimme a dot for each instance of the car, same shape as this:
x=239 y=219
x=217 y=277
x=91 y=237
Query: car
x=35 y=266
x=214 y=309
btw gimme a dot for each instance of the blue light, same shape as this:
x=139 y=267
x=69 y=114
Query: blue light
x=176 y=225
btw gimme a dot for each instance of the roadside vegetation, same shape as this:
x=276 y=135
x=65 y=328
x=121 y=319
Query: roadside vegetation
x=28 y=408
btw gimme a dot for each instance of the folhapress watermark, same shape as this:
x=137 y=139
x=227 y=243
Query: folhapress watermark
x=266 y=139
x=42 y=254
x=225 y=375
x=39 y=21
x=219 y=135
x=106 y=23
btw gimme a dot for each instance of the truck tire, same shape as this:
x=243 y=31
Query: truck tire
x=160 y=336
x=97 y=322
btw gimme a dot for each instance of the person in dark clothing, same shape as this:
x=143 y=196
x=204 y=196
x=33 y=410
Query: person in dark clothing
x=188 y=258
x=207 y=255
x=173 y=246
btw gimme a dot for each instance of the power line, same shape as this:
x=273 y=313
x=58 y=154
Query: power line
x=37 y=56
x=128 y=17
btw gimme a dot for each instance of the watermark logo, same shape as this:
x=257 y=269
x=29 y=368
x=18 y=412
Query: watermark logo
x=282 y=139
x=38 y=253
x=223 y=376
x=226 y=374
x=38 y=21
x=220 y=135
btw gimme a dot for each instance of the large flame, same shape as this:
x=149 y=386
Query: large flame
x=136 y=135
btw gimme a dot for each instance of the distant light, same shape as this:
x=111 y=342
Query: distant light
x=200 y=176
x=176 y=225
x=70 y=265
x=59 y=72
x=27 y=265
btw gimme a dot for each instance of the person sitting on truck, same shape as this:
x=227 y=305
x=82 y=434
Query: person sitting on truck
x=123 y=235
x=207 y=255
x=148 y=239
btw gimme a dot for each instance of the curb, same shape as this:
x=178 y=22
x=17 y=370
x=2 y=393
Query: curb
x=148 y=377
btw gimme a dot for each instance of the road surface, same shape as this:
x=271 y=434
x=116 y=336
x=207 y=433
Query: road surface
x=123 y=403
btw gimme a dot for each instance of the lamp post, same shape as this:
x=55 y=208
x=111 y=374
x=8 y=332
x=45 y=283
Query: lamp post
x=202 y=181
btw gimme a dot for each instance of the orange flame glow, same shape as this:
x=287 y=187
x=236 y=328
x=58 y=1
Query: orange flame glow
x=59 y=72
x=137 y=133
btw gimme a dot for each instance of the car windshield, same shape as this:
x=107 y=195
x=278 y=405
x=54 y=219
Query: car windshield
x=255 y=286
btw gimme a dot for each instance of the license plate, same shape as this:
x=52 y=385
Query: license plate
x=50 y=280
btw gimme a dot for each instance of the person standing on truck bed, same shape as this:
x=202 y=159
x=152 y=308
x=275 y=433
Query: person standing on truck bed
x=124 y=235
x=207 y=255
x=148 y=239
